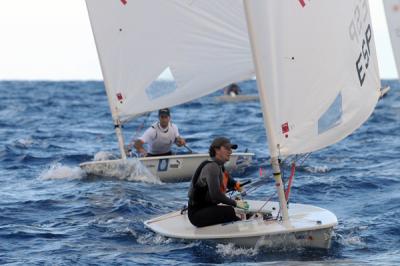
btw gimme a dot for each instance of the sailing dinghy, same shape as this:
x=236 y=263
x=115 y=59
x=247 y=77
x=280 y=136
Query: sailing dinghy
x=237 y=98
x=172 y=168
x=317 y=82
x=232 y=94
x=317 y=77
x=132 y=56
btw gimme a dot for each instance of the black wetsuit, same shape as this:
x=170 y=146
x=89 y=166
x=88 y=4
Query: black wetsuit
x=162 y=154
x=205 y=195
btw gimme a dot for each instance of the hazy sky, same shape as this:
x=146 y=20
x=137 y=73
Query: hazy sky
x=52 y=39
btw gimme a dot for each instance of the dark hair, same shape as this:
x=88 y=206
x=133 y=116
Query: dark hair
x=218 y=142
x=211 y=151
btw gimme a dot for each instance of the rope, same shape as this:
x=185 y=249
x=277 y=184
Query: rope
x=258 y=184
x=265 y=203
x=290 y=180
x=129 y=146
x=140 y=127
x=287 y=192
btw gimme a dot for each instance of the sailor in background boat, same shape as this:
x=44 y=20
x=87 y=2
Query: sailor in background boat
x=209 y=185
x=160 y=136
x=232 y=90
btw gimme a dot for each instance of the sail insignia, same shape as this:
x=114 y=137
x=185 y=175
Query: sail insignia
x=157 y=89
x=120 y=98
x=332 y=117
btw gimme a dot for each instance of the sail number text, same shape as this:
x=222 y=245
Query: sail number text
x=360 y=31
x=362 y=62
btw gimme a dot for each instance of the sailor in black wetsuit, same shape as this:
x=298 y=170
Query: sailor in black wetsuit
x=232 y=90
x=209 y=185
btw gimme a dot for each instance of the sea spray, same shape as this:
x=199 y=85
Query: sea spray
x=59 y=171
x=130 y=169
x=231 y=250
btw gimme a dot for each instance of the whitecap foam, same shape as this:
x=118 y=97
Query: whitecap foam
x=353 y=241
x=151 y=238
x=111 y=220
x=59 y=171
x=231 y=250
x=145 y=179
x=317 y=169
x=350 y=240
x=24 y=143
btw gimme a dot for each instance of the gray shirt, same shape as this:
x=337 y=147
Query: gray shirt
x=212 y=176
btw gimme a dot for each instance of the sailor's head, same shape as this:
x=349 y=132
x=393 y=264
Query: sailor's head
x=164 y=117
x=221 y=148
x=233 y=88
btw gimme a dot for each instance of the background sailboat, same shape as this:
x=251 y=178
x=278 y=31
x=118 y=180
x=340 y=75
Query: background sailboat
x=135 y=49
x=233 y=93
x=318 y=81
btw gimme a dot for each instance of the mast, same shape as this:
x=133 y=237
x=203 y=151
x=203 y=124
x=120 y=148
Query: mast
x=120 y=137
x=116 y=120
x=113 y=109
x=261 y=82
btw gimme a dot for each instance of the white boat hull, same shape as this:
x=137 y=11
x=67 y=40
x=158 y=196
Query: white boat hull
x=173 y=168
x=308 y=226
x=237 y=98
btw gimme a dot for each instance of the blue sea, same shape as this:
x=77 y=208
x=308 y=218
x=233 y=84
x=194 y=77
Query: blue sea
x=52 y=214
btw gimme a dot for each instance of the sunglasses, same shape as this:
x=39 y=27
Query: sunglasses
x=228 y=147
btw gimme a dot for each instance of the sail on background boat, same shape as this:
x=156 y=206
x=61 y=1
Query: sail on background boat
x=138 y=40
x=203 y=43
x=392 y=11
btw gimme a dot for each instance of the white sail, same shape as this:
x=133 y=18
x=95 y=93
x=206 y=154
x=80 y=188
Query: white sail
x=392 y=11
x=317 y=69
x=203 y=43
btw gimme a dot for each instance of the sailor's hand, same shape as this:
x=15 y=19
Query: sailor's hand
x=241 y=204
x=238 y=187
x=143 y=153
x=180 y=141
x=128 y=149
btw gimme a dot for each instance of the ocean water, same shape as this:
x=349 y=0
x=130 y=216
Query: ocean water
x=52 y=214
